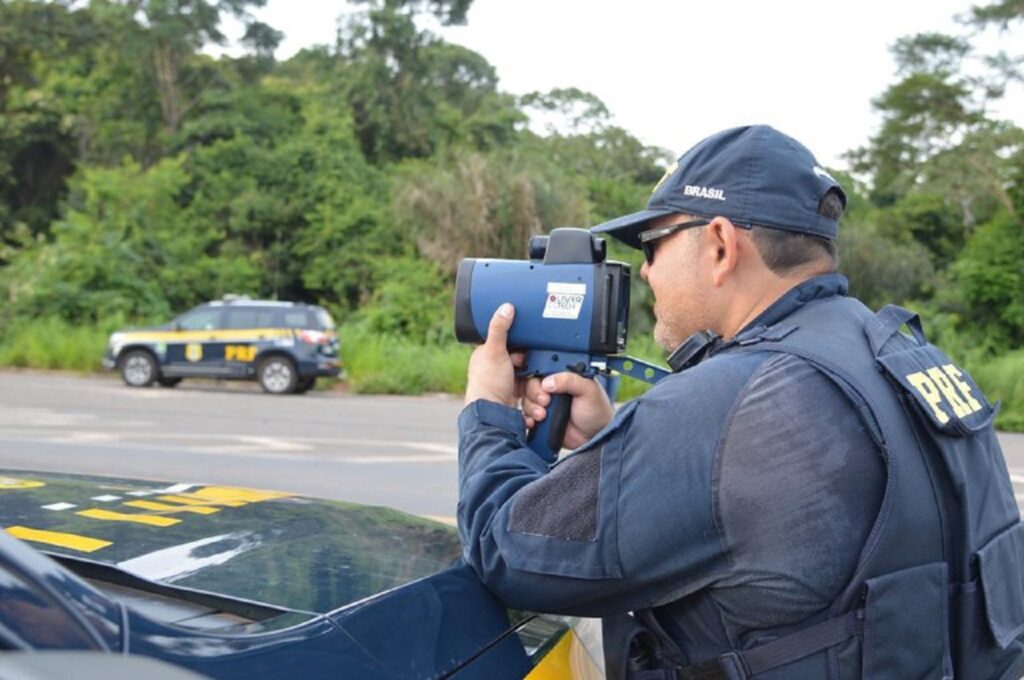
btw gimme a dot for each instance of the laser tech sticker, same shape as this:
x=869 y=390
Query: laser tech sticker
x=565 y=300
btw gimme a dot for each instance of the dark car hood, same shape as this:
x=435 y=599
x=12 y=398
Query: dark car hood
x=280 y=549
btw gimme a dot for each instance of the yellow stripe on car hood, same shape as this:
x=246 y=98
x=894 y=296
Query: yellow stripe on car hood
x=58 y=538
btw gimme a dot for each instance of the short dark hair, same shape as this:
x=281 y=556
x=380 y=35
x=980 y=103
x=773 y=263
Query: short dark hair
x=783 y=251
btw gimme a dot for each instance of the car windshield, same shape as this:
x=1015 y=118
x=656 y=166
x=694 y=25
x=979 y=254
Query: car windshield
x=326 y=322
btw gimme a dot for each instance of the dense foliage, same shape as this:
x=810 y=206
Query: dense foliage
x=139 y=176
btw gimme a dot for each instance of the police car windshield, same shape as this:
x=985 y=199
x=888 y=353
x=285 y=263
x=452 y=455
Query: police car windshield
x=325 y=320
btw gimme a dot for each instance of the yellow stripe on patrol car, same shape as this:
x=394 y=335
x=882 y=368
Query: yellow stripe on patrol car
x=198 y=500
x=232 y=335
x=10 y=483
x=62 y=540
x=194 y=502
x=112 y=516
x=556 y=664
x=228 y=495
x=164 y=507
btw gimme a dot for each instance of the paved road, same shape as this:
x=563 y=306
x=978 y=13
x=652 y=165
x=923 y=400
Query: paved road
x=397 y=451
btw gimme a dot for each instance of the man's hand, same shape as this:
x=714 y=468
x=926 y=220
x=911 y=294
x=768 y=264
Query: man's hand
x=590 y=410
x=492 y=368
x=492 y=377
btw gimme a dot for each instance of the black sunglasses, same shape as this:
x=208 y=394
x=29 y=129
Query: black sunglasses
x=649 y=238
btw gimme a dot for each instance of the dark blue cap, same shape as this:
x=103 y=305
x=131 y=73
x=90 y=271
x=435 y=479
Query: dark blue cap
x=753 y=175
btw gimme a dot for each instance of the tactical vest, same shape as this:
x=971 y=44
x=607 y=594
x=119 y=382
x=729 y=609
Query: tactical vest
x=938 y=591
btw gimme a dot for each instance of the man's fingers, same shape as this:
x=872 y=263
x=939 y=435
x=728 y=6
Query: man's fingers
x=568 y=383
x=533 y=409
x=497 y=330
x=535 y=393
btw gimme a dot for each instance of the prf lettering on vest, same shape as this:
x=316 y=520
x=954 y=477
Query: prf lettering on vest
x=945 y=387
x=240 y=352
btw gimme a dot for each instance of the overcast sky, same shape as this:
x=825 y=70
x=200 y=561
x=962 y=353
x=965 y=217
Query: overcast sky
x=673 y=72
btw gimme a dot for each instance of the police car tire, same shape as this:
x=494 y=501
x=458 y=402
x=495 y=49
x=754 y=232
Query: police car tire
x=305 y=384
x=277 y=375
x=138 y=368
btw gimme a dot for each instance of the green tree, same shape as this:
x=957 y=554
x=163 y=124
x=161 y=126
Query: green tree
x=119 y=249
x=37 y=151
x=345 y=205
x=175 y=30
x=411 y=94
x=413 y=300
x=990 y=284
x=448 y=12
x=1002 y=13
x=485 y=205
x=923 y=114
x=105 y=94
x=943 y=230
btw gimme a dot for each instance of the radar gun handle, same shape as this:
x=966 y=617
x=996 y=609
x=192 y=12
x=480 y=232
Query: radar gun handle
x=547 y=436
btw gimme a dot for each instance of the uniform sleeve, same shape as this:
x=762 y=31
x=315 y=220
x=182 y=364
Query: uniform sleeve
x=625 y=522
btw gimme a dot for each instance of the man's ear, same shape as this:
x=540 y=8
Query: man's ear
x=722 y=239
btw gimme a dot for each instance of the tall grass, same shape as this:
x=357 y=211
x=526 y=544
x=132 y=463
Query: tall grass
x=1002 y=379
x=54 y=344
x=382 y=364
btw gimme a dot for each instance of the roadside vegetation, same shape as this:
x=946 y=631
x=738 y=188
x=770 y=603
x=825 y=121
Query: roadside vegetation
x=52 y=343
x=140 y=176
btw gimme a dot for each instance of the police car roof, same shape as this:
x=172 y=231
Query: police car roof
x=256 y=303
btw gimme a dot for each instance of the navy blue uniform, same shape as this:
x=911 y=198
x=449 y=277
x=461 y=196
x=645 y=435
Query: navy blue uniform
x=749 y=479
x=730 y=503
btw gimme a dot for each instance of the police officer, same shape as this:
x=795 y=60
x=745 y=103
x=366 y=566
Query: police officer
x=812 y=494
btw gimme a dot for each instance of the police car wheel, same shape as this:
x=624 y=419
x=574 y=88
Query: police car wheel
x=304 y=385
x=277 y=375
x=138 y=368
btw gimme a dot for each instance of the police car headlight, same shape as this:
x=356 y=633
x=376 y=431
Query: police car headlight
x=115 y=343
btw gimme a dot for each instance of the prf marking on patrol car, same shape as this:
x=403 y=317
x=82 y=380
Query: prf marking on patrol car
x=225 y=495
x=239 y=352
x=8 y=483
x=58 y=538
x=945 y=386
x=184 y=500
x=112 y=516
x=165 y=507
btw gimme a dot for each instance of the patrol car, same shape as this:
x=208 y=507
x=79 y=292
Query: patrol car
x=285 y=346
x=229 y=582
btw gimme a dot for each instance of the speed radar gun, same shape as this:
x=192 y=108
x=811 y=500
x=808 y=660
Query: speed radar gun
x=572 y=309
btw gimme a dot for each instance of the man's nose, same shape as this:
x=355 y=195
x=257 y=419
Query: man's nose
x=644 y=269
